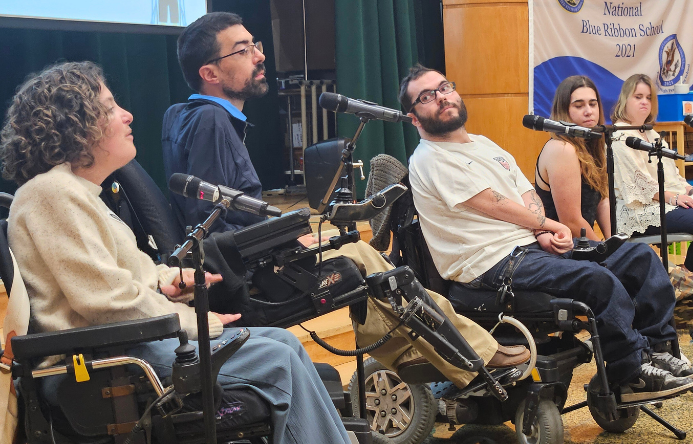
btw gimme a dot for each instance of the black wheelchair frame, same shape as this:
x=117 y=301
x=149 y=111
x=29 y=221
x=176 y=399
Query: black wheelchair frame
x=554 y=333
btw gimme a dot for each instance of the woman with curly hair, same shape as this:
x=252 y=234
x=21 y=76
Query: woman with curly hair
x=570 y=176
x=64 y=134
x=635 y=177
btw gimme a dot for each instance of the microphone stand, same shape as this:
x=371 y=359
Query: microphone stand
x=193 y=245
x=609 y=131
x=663 y=248
x=345 y=192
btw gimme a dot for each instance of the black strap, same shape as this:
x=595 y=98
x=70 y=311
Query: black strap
x=536 y=170
x=505 y=289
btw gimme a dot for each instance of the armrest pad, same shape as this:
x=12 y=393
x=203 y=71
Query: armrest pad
x=266 y=235
x=95 y=337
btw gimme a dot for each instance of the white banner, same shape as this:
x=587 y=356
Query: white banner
x=608 y=41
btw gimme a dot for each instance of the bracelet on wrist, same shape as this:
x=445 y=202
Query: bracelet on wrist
x=542 y=232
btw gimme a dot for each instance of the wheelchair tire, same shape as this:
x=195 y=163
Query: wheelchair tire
x=379 y=438
x=547 y=427
x=415 y=402
x=627 y=417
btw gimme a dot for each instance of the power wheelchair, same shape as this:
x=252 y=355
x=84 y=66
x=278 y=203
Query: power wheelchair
x=116 y=404
x=534 y=405
x=109 y=396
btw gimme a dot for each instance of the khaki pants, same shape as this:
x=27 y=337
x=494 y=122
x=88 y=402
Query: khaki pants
x=401 y=348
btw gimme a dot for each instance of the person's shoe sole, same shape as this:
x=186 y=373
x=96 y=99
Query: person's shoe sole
x=646 y=396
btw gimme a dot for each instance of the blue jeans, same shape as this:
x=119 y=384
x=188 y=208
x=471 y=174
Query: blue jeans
x=274 y=364
x=631 y=297
x=679 y=220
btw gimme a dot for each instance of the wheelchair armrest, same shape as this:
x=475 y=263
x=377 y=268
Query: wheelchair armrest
x=272 y=233
x=95 y=337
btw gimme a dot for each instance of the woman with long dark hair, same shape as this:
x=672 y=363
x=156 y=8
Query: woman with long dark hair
x=570 y=175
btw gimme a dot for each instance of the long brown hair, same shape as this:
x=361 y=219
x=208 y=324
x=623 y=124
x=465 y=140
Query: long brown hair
x=591 y=154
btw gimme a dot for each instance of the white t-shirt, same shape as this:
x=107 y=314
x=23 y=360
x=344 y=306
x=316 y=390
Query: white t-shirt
x=465 y=243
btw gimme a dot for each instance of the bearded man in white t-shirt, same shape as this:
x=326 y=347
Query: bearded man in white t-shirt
x=481 y=217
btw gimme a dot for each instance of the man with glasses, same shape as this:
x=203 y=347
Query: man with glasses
x=484 y=223
x=205 y=136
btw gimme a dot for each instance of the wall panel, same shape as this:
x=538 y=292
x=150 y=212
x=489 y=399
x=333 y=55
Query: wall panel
x=486 y=53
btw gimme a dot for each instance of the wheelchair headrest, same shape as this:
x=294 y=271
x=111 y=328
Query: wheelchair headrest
x=6 y=266
x=6 y=200
x=150 y=211
x=385 y=170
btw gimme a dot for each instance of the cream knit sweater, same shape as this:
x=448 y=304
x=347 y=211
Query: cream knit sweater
x=80 y=262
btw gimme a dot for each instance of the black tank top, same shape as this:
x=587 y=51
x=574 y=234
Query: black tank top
x=590 y=198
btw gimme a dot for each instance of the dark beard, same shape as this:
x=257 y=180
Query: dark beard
x=436 y=127
x=252 y=88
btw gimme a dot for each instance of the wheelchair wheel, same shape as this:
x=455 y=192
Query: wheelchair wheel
x=405 y=413
x=379 y=438
x=547 y=427
x=626 y=417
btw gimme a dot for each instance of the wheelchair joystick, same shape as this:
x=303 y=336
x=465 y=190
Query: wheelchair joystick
x=185 y=353
x=601 y=251
x=583 y=243
x=185 y=372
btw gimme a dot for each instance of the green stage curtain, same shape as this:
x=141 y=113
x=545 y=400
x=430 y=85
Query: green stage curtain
x=143 y=73
x=377 y=42
x=139 y=70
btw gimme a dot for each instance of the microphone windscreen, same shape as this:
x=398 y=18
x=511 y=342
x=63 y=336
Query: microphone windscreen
x=633 y=142
x=533 y=122
x=184 y=184
x=333 y=102
x=688 y=120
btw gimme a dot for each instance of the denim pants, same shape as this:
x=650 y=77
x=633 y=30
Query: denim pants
x=630 y=295
x=274 y=364
x=679 y=220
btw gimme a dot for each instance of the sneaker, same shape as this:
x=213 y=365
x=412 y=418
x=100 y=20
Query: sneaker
x=682 y=280
x=666 y=361
x=654 y=383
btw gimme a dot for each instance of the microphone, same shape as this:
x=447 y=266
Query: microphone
x=362 y=108
x=639 y=144
x=539 y=123
x=191 y=186
x=688 y=120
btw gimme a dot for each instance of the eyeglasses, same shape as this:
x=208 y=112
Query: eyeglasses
x=247 y=51
x=429 y=95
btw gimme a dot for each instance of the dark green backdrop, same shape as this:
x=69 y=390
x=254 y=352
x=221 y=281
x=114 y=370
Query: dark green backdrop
x=377 y=41
x=142 y=71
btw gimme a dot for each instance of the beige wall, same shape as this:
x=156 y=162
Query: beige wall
x=486 y=54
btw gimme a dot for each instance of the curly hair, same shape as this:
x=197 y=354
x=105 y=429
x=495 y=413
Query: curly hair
x=55 y=117
x=591 y=154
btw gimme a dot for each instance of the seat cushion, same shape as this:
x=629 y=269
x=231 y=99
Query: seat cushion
x=333 y=383
x=466 y=300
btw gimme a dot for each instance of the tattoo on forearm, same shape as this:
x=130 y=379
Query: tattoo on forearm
x=537 y=207
x=498 y=196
